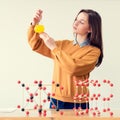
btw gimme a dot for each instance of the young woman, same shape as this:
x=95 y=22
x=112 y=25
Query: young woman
x=73 y=59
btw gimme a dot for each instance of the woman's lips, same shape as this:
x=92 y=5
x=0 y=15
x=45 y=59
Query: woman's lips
x=74 y=28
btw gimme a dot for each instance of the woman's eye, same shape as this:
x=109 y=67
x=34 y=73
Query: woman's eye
x=81 y=22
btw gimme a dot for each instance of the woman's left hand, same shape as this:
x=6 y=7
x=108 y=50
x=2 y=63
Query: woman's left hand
x=50 y=43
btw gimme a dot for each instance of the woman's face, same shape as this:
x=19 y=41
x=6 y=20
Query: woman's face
x=81 y=25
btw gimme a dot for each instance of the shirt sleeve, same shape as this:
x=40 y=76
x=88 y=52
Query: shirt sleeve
x=77 y=66
x=36 y=43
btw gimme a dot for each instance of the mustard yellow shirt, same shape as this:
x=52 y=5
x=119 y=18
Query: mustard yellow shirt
x=71 y=63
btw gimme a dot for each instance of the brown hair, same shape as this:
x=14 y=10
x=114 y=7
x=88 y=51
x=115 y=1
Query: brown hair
x=95 y=37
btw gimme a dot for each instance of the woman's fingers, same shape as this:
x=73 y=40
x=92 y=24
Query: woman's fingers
x=38 y=17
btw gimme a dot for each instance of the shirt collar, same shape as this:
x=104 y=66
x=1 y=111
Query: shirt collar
x=86 y=42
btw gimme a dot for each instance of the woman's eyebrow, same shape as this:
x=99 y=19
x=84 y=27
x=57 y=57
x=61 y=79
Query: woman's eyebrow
x=83 y=20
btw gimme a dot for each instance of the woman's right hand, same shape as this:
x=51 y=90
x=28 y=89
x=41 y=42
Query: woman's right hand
x=38 y=16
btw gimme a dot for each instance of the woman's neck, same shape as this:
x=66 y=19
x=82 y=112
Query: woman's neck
x=81 y=38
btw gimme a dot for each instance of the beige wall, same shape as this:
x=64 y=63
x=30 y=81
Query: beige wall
x=18 y=61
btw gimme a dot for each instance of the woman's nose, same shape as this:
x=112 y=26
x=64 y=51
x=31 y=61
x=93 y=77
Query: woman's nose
x=76 y=23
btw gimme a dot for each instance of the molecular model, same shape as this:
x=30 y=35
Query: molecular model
x=38 y=104
x=94 y=97
x=98 y=97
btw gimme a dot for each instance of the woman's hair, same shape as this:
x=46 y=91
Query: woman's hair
x=95 y=36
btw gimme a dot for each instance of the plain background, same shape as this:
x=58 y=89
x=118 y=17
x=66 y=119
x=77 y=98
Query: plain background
x=19 y=62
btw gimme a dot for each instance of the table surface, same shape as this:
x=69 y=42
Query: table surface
x=56 y=115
